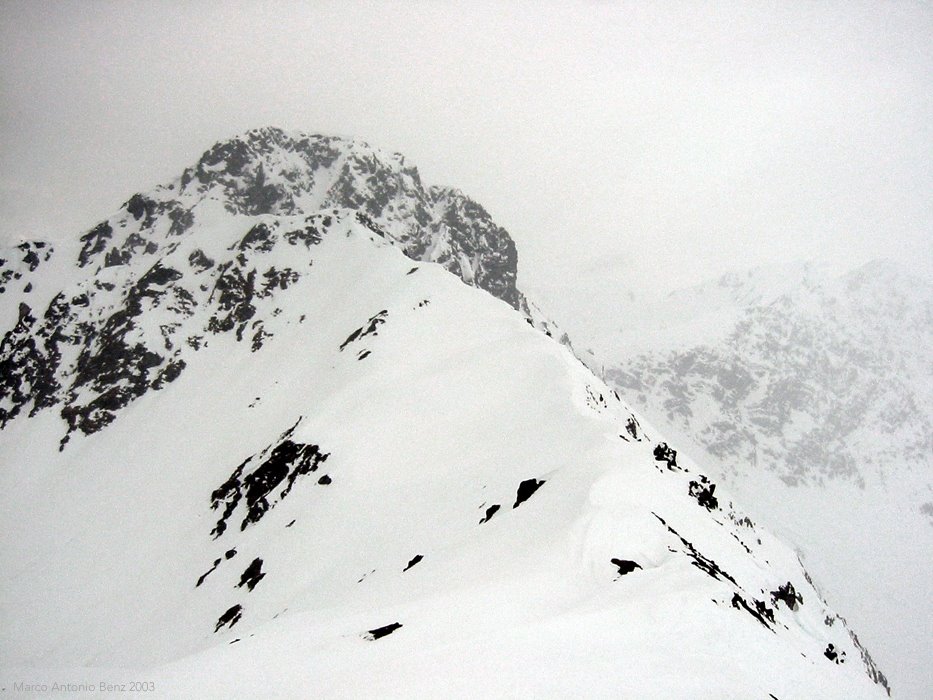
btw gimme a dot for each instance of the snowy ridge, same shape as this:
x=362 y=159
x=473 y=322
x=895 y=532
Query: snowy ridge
x=18 y=266
x=814 y=401
x=276 y=446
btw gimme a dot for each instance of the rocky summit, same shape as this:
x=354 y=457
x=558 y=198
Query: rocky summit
x=85 y=350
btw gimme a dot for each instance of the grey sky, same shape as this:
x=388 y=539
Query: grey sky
x=609 y=138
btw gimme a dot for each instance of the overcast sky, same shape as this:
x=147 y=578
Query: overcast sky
x=609 y=138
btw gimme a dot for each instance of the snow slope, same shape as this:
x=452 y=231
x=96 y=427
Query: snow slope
x=814 y=401
x=276 y=457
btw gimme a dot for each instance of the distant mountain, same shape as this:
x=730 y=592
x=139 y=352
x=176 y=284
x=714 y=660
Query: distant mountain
x=812 y=396
x=254 y=442
x=832 y=380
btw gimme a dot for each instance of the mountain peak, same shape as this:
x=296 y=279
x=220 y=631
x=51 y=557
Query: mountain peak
x=268 y=171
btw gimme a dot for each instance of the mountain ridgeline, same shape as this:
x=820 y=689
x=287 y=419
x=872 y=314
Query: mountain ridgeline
x=810 y=392
x=255 y=429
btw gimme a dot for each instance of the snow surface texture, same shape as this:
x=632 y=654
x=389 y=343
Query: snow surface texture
x=262 y=453
x=812 y=396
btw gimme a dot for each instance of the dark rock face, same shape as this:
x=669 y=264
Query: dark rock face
x=19 y=262
x=704 y=564
x=414 y=560
x=633 y=429
x=870 y=668
x=257 y=238
x=207 y=573
x=309 y=235
x=526 y=490
x=262 y=486
x=475 y=236
x=235 y=289
x=803 y=380
x=95 y=241
x=27 y=367
x=760 y=611
x=387 y=193
x=702 y=490
x=369 y=328
x=756 y=608
x=141 y=207
x=199 y=261
x=113 y=364
x=832 y=654
x=379 y=632
x=663 y=453
x=252 y=575
x=108 y=327
x=229 y=618
x=625 y=566
x=103 y=321
x=787 y=594
x=490 y=511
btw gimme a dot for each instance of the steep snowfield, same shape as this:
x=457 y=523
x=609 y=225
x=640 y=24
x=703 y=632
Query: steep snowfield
x=812 y=397
x=457 y=403
x=278 y=457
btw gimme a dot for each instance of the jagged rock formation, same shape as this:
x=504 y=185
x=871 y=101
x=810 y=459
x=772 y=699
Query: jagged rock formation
x=269 y=171
x=90 y=350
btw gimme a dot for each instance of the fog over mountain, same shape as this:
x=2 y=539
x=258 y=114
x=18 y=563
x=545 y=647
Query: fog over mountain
x=694 y=140
x=658 y=286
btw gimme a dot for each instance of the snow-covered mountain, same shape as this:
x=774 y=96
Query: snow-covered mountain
x=812 y=396
x=256 y=444
x=314 y=180
x=805 y=383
